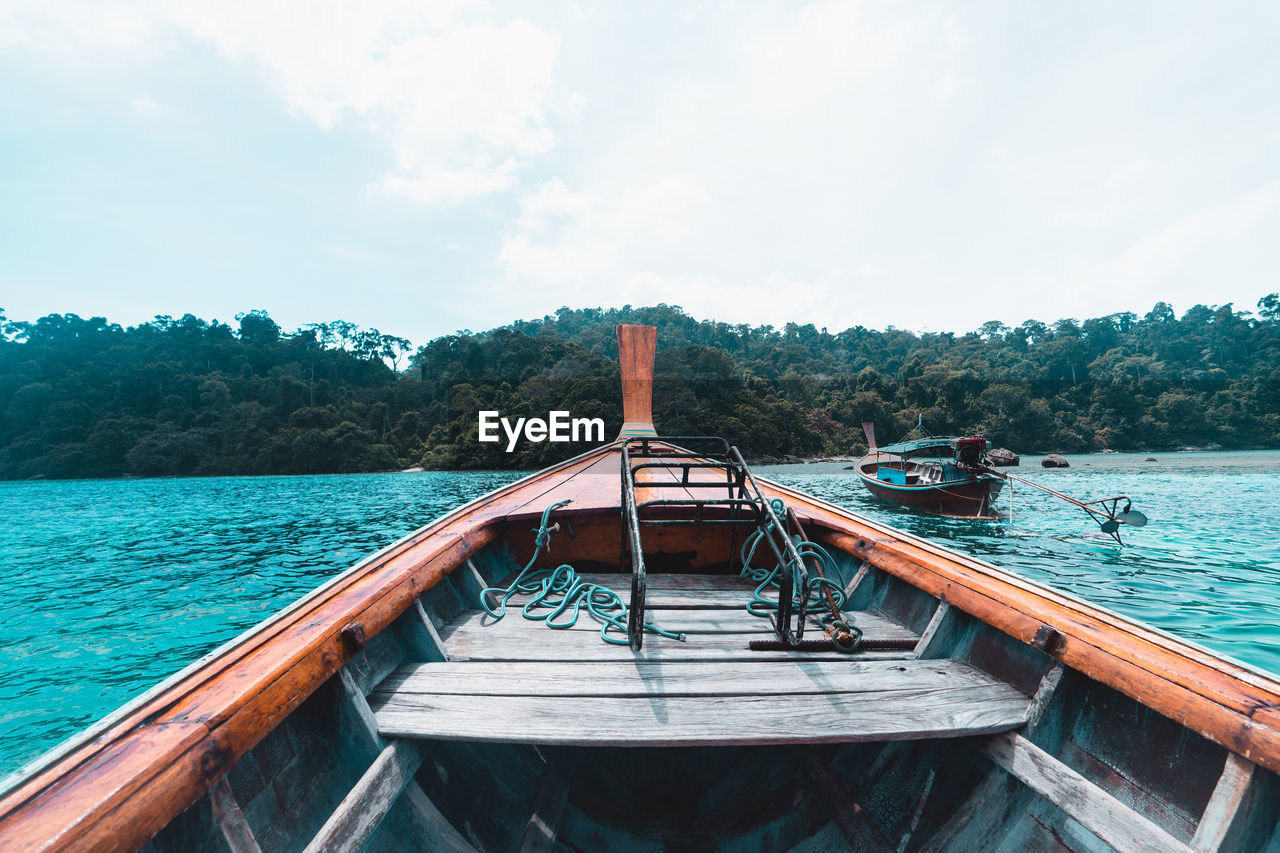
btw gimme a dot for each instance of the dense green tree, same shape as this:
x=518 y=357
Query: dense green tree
x=86 y=397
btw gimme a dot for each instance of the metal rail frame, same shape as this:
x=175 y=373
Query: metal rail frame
x=745 y=505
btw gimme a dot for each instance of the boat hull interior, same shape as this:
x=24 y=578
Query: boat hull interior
x=601 y=759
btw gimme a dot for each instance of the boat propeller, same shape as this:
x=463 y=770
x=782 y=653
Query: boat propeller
x=1107 y=512
x=1109 y=517
x=1132 y=517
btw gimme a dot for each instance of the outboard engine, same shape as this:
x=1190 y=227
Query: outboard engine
x=969 y=451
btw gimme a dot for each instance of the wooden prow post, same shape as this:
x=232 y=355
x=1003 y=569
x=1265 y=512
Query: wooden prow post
x=636 y=346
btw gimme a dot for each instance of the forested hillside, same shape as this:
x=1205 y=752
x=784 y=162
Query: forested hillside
x=89 y=398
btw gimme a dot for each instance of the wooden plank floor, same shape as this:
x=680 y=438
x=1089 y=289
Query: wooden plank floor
x=515 y=680
x=694 y=704
x=709 y=609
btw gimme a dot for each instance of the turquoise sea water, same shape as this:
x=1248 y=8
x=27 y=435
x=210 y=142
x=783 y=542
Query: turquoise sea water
x=108 y=586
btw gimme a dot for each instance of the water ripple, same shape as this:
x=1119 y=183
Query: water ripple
x=112 y=585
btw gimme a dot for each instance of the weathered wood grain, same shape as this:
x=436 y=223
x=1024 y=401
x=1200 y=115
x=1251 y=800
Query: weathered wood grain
x=480 y=625
x=551 y=645
x=686 y=582
x=636 y=348
x=666 y=599
x=544 y=822
x=360 y=813
x=903 y=714
x=1044 y=694
x=437 y=647
x=469 y=633
x=1119 y=784
x=426 y=820
x=643 y=680
x=429 y=822
x=940 y=614
x=359 y=705
x=668 y=582
x=852 y=589
x=230 y=820
x=848 y=814
x=1230 y=792
x=1081 y=800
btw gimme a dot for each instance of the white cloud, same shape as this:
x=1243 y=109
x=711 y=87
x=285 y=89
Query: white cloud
x=838 y=162
x=949 y=84
x=68 y=30
x=461 y=100
x=568 y=236
x=552 y=202
x=741 y=192
x=1161 y=251
x=447 y=184
x=541 y=264
x=144 y=105
x=775 y=298
x=1131 y=174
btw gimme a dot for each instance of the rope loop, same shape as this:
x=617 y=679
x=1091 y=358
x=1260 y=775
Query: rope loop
x=845 y=636
x=767 y=579
x=559 y=595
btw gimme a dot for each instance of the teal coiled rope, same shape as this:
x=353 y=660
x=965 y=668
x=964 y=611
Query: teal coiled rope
x=559 y=591
x=846 y=635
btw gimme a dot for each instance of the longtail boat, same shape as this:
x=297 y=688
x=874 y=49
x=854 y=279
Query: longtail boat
x=934 y=474
x=753 y=669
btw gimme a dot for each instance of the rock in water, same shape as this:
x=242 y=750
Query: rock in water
x=1003 y=457
x=1053 y=460
x=1150 y=459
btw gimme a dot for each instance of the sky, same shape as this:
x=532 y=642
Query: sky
x=423 y=168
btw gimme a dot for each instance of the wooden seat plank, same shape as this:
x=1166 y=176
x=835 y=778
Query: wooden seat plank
x=667 y=581
x=515 y=638
x=677 y=599
x=675 y=591
x=716 y=621
x=688 y=621
x=586 y=646
x=675 y=581
x=969 y=706
x=645 y=679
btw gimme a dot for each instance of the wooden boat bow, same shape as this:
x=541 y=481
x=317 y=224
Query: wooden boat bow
x=117 y=785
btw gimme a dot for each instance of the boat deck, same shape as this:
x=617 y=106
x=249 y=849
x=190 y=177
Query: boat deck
x=515 y=680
